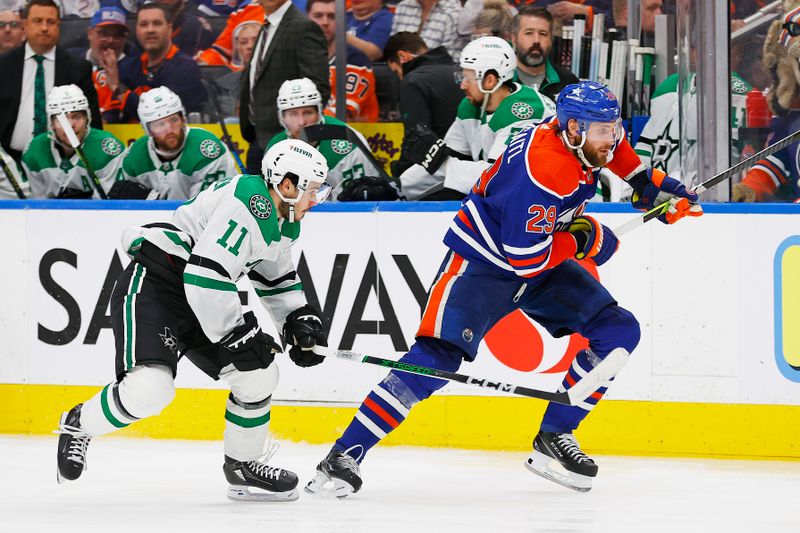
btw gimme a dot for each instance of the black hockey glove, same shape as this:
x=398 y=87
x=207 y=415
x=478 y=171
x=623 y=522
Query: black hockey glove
x=422 y=146
x=71 y=193
x=247 y=347
x=368 y=188
x=304 y=330
x=128 y=190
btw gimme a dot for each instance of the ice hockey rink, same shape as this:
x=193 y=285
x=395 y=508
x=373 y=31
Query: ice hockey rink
x=157 y=485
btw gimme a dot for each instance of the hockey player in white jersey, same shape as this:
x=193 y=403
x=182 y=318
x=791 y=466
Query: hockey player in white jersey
x=172 y=161
x=494 y=109
x=52 y=166
x=299 y=106
x=178 y=298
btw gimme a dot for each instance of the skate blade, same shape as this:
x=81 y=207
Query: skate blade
x=240 y=493
x=326 y=487
x=541 y=465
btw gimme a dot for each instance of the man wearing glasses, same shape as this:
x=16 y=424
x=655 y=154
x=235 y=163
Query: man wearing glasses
x=11 y=34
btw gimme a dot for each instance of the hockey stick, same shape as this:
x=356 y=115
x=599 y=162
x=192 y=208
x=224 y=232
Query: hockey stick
x=76 y=145
x=576 y=394
x=226 y=138
x=323 y=132
x=11 y=179
x=711 y=182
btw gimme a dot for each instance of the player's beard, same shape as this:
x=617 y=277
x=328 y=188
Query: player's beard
x=533 y=57
x=594 y=156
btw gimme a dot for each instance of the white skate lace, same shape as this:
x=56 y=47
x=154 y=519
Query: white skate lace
x=570 y=446
x=78 y=444
x=260 y=467
x=348 y=461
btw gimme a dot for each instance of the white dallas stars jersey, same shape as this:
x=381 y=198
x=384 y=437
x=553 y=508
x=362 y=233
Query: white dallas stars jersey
x=227 y=231
x=49 y=174
x=483 y=138
x=345 y=161
x=6 y=189
x=203 y=161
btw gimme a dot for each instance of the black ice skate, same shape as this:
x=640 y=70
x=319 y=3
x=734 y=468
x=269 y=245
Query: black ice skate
x=272 y=484
x=337 y=475
x=559 y=458
x=72 y=445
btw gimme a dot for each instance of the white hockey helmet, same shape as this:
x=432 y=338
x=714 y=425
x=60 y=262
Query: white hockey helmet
x=158 y=103
x=489 y=53
x=67 y=98
x=300 y=92
x=297 y=158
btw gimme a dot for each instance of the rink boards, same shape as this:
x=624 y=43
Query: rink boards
x=717 y=371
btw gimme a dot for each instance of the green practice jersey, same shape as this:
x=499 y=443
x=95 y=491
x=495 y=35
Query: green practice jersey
x=202 y=161
x=49 y=174
x=345 y=160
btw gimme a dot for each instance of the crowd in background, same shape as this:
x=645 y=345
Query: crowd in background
x=219 y=58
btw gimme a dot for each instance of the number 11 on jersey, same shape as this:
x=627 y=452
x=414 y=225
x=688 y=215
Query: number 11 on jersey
x=223 y=241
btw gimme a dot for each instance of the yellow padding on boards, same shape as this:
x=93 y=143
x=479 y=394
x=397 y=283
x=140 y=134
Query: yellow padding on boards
x=497 y=423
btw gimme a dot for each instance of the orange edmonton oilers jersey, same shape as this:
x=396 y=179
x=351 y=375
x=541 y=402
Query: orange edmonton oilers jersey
x=221 y=51
x=362 y=101
x=516 y=215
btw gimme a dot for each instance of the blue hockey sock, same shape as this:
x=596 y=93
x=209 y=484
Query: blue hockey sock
x=389 y=403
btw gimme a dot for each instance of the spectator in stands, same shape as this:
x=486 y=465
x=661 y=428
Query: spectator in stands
x=161 y=64
x=429 y=94
x=564 y=11
x=221 y=52
x=436 y=21
x=229 y=86
x=494 y=20
x=173 y=161
x=532 y=37
x=649 y=10
x=362 y=102
x=219 y=8
x=290 y=46
x=31 y=71
x=11 y=32
x=190 y=32
x=369 y=25
x=51 y=164
x=108 y=30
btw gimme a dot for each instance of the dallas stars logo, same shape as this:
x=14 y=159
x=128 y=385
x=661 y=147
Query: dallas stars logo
x=341 y=146
x=522 y=110
x=210 y=149
x=111 y=146
x=169 y=340
x=260 y=207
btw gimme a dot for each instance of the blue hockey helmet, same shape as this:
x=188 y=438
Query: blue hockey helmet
x=587 y=101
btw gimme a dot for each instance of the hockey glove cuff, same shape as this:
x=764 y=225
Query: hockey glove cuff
x=422 y=146
x=593 y=239
x=247 y=347
x=303 y=329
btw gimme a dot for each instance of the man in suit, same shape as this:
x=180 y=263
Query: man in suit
x=31 y=71
x=289 y=46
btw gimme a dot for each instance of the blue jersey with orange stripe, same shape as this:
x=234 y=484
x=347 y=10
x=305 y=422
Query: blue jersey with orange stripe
x=777 y=177
x=515 y=217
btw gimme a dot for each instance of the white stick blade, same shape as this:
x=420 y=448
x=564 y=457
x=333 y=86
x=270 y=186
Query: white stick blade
x=598 y=376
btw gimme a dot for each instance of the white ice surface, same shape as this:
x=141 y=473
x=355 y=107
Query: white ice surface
x=152 y=486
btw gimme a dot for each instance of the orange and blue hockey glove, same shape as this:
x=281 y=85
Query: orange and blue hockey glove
x=594 y=240
x=649 y=183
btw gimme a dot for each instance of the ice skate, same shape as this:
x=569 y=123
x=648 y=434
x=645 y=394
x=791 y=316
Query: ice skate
x=255 y=481
x=337 y=475
x=559 y=458
x=72 y=445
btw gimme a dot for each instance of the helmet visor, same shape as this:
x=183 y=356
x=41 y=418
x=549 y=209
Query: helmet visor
x=319 y=192
x=604 y=132
x=170 y=124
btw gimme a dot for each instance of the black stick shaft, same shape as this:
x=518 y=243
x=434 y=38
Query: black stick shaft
x=11 y=179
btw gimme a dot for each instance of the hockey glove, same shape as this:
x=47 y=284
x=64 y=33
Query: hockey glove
x=422 y=146
x=128 y=190
x=247 y=347
x=304 y=330
x=368 y=188
x=71 y=193
x=593 y=239
x=647 y=185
